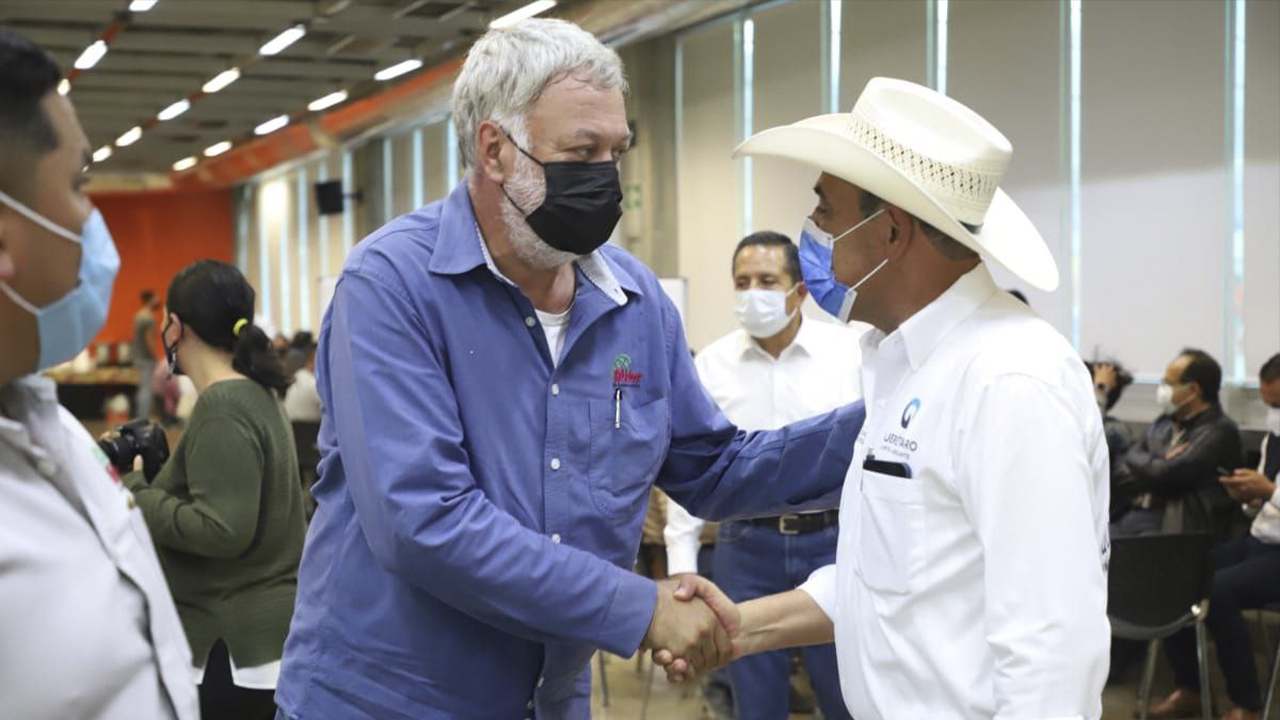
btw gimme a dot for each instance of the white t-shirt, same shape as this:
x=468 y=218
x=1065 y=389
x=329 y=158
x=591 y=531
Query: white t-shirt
x=554 y=326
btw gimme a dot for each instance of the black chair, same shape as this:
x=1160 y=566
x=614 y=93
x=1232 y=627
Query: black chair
x=1157 y=586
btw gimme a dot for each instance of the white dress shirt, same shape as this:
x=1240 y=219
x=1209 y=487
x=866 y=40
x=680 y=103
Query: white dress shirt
x=302 y=399
x=816 y=373
x=976 y=587
x=89 y=630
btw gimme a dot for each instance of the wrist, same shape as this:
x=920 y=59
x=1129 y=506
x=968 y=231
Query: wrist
x=754 y=635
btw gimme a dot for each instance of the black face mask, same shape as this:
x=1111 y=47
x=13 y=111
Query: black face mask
x=583 y=204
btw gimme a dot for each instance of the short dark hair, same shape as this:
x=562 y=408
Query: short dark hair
x=27 y=75
x=950 y=248
x=148 y=296
x=1204 y=371
x=1270 y=371
x=769 y=238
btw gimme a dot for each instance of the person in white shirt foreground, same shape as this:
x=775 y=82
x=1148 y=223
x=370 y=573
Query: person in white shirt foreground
x=90 y=630
x=778 y=368
x=970 y=580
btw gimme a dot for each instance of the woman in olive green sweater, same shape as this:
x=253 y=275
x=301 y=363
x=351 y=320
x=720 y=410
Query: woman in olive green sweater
x=226 y=511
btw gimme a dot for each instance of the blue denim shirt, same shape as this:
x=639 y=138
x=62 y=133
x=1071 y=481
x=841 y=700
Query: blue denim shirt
x=479 y=507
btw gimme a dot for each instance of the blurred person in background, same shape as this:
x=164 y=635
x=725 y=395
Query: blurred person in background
x=302 y=401
x=776 y=369
x=89 y=631
x=1171 y=474
x=1109 y=382
x=144 y=354
x=1246 y=577
x=226 y=510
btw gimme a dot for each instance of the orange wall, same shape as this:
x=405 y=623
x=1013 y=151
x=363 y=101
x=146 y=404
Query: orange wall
x=158 y=233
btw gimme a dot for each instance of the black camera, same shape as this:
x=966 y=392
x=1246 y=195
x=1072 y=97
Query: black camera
x=140 y=437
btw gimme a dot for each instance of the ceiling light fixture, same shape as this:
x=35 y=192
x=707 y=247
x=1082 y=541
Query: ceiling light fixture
x=397 y=70
x=129 y=137
x=102 y=153
x=217 y=149
x=141 y=5
x=278 y=43
x=174 y=110
x=528 y=11
x=221 y=80
x=271 y=125
x=185 y=163
x=327 y=101
x=64 y=86
x=91 y=55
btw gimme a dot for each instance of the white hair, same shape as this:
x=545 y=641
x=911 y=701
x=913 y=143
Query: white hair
x=508 y=68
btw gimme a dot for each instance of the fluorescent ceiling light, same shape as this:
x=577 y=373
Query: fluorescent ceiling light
x=141 y=5
x=91 y=55
x=283 y=40
x=528 y=11
x=221 y=80
x=397 y=70
x=64 y=87
x=218 y=149
x=185 y=163
x=130 y=137
x=271 y=125
x=102 y=153
x=174 y=110
x=327 y=101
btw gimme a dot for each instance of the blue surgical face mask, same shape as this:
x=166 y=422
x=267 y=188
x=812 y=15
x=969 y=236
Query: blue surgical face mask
x=70 y=323
x=816 y=246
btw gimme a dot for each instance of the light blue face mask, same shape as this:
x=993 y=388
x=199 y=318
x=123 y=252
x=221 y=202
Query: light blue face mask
x=816 y=246
x=69 y=324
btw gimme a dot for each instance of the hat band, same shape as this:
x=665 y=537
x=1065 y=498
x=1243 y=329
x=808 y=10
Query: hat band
x=966 y=190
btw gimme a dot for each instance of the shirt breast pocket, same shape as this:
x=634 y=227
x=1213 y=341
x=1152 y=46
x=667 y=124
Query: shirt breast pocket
x=890 y=525
x=628 y=443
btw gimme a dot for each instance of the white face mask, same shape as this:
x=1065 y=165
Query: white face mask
x=1164 y=396
x=1273 y=421
x=763 y=313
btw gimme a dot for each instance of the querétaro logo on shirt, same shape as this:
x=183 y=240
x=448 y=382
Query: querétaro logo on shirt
x=622 y=374
x=909 y=413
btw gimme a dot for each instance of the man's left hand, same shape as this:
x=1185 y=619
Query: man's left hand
x=1248 y=486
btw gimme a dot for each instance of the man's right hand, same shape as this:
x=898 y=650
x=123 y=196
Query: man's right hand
x=694 y=588
x=688 y=628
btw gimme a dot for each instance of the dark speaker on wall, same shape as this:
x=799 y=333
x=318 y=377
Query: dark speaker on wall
x=329 y=197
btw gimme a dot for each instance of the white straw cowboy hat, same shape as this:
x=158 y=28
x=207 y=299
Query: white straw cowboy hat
x=929 y=155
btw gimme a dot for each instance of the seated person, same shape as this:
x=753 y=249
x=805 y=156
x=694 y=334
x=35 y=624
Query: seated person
x=1109 y=381
x=1247 y=577
x=1172 y=473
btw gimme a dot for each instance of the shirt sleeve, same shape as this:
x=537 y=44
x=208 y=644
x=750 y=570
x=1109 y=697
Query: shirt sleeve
x=718 y=472
x=683 y=535
x=407 y=467
x=1209 y=448
x=821 y=586
x=223 y=463
x=1032 y=505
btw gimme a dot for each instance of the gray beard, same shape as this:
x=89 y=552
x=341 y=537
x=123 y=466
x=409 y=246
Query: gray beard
x=528 y=190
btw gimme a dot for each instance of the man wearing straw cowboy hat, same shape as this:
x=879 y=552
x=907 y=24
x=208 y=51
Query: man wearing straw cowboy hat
x=971 y=572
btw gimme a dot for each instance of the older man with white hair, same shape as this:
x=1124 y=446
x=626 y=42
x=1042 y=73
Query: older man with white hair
x=970 y=575
x=499 y=393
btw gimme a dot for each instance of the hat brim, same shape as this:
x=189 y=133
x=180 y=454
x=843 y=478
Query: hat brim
x=1007 y=236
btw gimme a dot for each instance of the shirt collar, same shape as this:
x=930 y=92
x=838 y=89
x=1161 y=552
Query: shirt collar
x=460 y=249
x=802 y=343
x=922 y=332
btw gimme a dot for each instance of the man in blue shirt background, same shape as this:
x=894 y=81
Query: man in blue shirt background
x=500 y=392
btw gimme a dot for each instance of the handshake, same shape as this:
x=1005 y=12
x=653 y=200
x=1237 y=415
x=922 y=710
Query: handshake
x=695 y=628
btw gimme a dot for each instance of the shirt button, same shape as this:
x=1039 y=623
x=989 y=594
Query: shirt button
x=529 y=705
x=555 y=463
x=46 y=468
x=555 y=538
x=530 y=321
x=555 y=389
x=541 y=680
